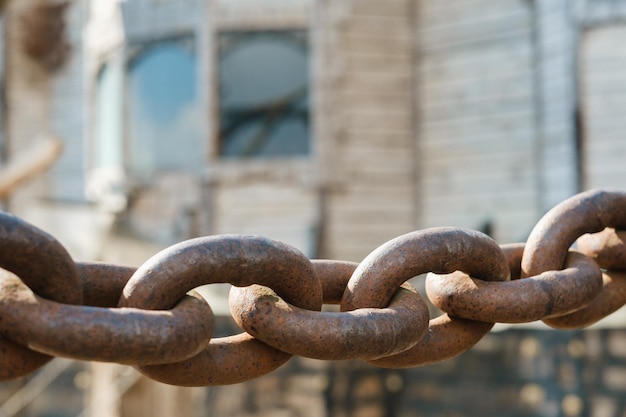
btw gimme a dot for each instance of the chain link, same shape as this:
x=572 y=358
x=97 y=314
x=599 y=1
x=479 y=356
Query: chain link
x=549 y=294
x=44 y=265
x=570 y=273
x=240 y=261
x=358 y=334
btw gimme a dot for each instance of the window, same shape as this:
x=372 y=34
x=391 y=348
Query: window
x=108 y=119
x=164 y=115
x=263 y=93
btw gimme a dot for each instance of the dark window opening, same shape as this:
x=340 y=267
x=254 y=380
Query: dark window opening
x=264 y=95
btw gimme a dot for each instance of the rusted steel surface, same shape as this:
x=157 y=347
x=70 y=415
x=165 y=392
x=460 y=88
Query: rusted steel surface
x=150 y=317
x=227 y=360
x=103 y=283
x=334 y=277
x=123 y=335
x=18 y=361
x=447 y=337
x=551 y=293
x=234 y=259
x=607 y=248
x=46 y=267
x=513 y=253
x=367 y=333
x=39 y=260
x=440 y=250
x=610 y=299
x=554 y=234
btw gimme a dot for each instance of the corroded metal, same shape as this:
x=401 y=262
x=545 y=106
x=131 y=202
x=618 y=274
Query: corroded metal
x=103 y=283
x=227 y=360
x=240 y=261
x=607 y=248
x=554 y=234
x=367 y=333
x=39 y=260
x=149 y=317
x=549 y=294
x=447 y=338
x=610 y=299
x=123 y=335
x=513 y=253
x=559 y=228
x=440 y=250
x=46 y=267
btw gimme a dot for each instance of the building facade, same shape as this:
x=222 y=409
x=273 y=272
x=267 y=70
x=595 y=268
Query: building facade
x=331 y=125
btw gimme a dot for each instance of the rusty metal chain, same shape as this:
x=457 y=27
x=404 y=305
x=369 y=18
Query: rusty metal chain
x=570 y=273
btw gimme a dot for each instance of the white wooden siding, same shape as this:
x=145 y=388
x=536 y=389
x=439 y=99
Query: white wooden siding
x=288 y=213
x=28 y=102
x=603 y=95
x=371 y=196
x=557 y=154
x=68 y=110
x=476 y=117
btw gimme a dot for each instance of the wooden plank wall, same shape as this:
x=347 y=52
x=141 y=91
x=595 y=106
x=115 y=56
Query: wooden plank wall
x=476 y=121
x=27 y=99
x=369 y=116
x=281 y=211
x=603 y=97
x=557 y=156
x=602 y=89
x=273 y=197
x=66 y=180
x=42 y=102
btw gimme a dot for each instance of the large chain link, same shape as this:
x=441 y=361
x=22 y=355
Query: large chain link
x=570 y=273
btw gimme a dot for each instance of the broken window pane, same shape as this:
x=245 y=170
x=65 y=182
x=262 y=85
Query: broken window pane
x=164 y=113
x=264 y=96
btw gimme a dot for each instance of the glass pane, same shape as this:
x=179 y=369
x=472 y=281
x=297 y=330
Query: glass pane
x=165 y=118
x=108 y=120
x=264 y=103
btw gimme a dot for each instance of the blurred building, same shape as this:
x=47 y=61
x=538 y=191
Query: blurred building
x=332 y=125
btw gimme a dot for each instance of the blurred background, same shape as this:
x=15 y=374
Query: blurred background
x=331 y=125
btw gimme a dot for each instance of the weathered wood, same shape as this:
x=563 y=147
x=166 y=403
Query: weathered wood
x=603 y=95
x=476 y=117
x=28 y=164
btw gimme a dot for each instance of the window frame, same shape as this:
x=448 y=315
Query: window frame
x=295 y=37
x=135 y=50
x=211 y=19
x=281 y=169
